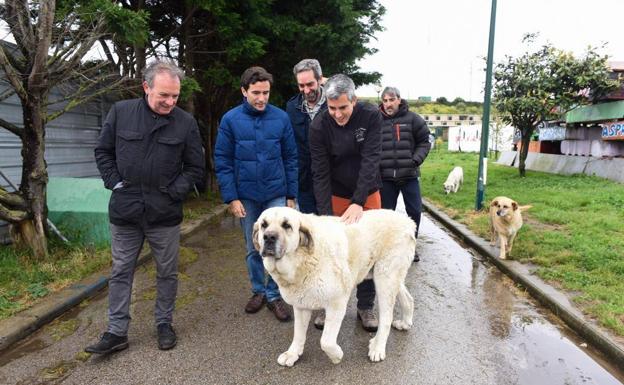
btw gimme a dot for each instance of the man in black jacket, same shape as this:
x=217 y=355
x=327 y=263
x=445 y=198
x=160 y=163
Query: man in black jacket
x=405 y=146
x=345 y=146
x=149 y=154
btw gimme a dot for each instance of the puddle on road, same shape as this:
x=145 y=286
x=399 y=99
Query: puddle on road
x=22 y=349
x=62 y=327
x=540 y=348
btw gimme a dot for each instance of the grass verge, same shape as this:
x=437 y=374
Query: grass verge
x=573 y=232
x=24 y=281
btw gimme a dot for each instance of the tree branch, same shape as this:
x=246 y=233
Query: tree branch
x=73 y=62
x=12 y=216
x=19 y=131
x=38 y=72
x=78 y=100
x=13 y=200
x=7 y=94
x=12 y=75
x=18 y=19
x=108 y=52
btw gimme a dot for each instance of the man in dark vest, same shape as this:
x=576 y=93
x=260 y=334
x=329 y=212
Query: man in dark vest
x=405 y=145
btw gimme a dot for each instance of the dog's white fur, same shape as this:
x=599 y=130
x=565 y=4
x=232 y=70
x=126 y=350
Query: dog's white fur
x=454 y=180
x=318 y=260
x=505 y=222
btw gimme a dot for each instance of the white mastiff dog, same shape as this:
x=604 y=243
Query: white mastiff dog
x=318 y=260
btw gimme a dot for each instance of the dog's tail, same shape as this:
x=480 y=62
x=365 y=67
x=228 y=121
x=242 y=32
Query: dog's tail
x=526 y=207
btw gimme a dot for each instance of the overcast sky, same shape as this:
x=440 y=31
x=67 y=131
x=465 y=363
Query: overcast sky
x=435 y=47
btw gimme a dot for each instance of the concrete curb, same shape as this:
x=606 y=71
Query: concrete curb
x=557 y=302
x=28 y=321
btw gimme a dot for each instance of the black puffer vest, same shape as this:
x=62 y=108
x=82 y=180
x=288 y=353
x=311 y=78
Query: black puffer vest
x=405 y=144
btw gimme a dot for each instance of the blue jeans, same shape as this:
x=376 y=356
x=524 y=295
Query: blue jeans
x=307 y=202
x=410 y=189
x=259 y=283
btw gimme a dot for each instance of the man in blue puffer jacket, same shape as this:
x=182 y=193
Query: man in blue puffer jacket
x=256 y=166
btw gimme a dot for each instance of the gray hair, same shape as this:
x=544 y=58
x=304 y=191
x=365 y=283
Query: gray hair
x=307 y=65
x=391 y=91
x=159 y=66
x=340 y=85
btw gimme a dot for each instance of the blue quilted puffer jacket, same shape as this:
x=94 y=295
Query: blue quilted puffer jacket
x=256 y=154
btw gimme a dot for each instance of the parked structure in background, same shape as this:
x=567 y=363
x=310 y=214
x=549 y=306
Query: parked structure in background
x=587 y=140
x=440 y=123
x=468 y=138
x=595 y=130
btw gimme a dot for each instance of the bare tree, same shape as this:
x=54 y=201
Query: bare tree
x=50 y=47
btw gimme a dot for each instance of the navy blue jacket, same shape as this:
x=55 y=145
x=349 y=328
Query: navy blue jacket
x=157 y=157
x=300 y=121
x=256 y=154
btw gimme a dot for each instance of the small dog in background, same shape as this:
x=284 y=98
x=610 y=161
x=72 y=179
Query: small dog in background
x=505 y=222
x=454 y=180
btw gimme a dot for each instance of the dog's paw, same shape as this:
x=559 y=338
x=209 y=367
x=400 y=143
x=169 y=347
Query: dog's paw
x=287 y=358
x=335 y=354
x=377 y=354
x=401 y=325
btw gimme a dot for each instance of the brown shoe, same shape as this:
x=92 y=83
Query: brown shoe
x=255 y=303
x=368 y=318
x=278 y=307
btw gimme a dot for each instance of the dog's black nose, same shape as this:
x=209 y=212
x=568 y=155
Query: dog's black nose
x=270 y=237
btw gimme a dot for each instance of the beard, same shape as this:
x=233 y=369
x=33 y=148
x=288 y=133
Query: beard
x=312 y=96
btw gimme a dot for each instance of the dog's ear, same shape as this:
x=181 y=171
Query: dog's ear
x=254 y=235
x=305 y=237
x=494 y=203
x=514 y=204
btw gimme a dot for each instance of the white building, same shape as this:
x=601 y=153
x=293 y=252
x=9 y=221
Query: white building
x=468 y=138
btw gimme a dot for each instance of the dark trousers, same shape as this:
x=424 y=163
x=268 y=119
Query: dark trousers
x=126 y=244
x=410 y=189
x=307 y=202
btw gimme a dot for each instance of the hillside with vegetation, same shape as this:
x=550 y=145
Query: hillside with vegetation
x=440 y=106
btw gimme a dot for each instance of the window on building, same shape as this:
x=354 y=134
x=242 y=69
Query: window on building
x=449 y=117
x=437 y=118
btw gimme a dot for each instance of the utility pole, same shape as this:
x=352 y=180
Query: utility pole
x=485 y=125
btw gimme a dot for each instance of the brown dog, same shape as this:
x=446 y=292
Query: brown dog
x=505 y=222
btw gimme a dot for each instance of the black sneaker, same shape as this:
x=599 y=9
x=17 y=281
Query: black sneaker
x=108 y=343
x=166 y=337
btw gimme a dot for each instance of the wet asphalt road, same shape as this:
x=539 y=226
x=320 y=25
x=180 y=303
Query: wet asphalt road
x=471 y=326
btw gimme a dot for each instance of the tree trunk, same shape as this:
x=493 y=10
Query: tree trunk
x=31 y=233
x=139 y=49
x=188 y=47
x=524 y=150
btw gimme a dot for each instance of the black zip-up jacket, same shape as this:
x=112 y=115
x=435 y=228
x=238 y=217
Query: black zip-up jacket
x=345 y=159
x=157 y=157
x=405 y=144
